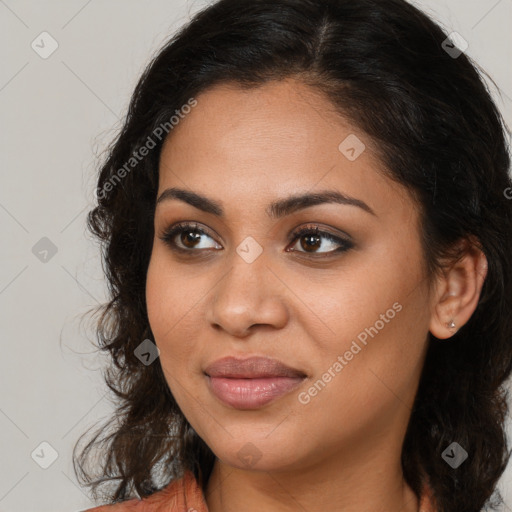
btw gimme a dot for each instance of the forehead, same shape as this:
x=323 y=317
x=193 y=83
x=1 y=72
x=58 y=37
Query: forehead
x=279 y=138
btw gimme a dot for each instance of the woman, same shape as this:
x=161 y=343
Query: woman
x=307 y=238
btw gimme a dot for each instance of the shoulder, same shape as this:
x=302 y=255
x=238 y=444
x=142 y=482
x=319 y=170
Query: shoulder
x=125 y=506
x=178 y=495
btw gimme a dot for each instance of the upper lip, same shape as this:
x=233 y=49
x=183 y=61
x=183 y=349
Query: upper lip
x=251 y=368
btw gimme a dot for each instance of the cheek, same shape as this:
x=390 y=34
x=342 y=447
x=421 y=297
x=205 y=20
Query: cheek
x=156 y=291
x=169 y=297
x=172 y=312
x=378 y=318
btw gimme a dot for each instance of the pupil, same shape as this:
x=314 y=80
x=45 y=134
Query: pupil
x=310 y=243
x=189 y=237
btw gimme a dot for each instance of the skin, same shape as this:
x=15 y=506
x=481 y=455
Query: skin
x=341 y=451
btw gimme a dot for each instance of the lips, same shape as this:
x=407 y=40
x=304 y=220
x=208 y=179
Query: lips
x=253 y=367
x=251 y=383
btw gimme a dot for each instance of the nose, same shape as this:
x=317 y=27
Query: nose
x=249 y=295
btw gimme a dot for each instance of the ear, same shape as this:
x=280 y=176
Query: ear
x=458 y=290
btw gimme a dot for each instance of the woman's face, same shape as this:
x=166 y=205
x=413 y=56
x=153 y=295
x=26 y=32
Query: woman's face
x=348 y=314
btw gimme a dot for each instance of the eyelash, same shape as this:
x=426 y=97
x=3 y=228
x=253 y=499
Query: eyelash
x=169 y=235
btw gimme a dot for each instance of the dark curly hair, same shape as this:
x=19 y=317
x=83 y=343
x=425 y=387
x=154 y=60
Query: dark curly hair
x=384 y=65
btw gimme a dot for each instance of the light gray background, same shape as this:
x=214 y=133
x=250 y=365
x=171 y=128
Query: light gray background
x=57 y=115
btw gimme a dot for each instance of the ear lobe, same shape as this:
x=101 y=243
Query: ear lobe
x=458 y=291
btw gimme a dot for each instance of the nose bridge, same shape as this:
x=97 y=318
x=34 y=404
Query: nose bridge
x=249 y=293
x=248 y=256
x=248 y=278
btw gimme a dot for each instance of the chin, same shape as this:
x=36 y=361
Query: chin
x=258 y=452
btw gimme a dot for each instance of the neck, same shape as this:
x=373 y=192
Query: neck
x=344 y=488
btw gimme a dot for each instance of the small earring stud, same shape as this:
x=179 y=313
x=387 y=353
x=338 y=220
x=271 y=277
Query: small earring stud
x=451 y=324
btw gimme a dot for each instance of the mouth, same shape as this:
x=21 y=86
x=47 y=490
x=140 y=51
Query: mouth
x=251 y=383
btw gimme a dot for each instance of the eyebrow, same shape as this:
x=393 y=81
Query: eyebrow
x=275 y=210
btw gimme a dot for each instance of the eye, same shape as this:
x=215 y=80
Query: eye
x=310 y=239
x=186 y=237
x=189 y=239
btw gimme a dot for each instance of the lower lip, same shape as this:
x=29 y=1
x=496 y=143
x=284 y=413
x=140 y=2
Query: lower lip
x=251 y=393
